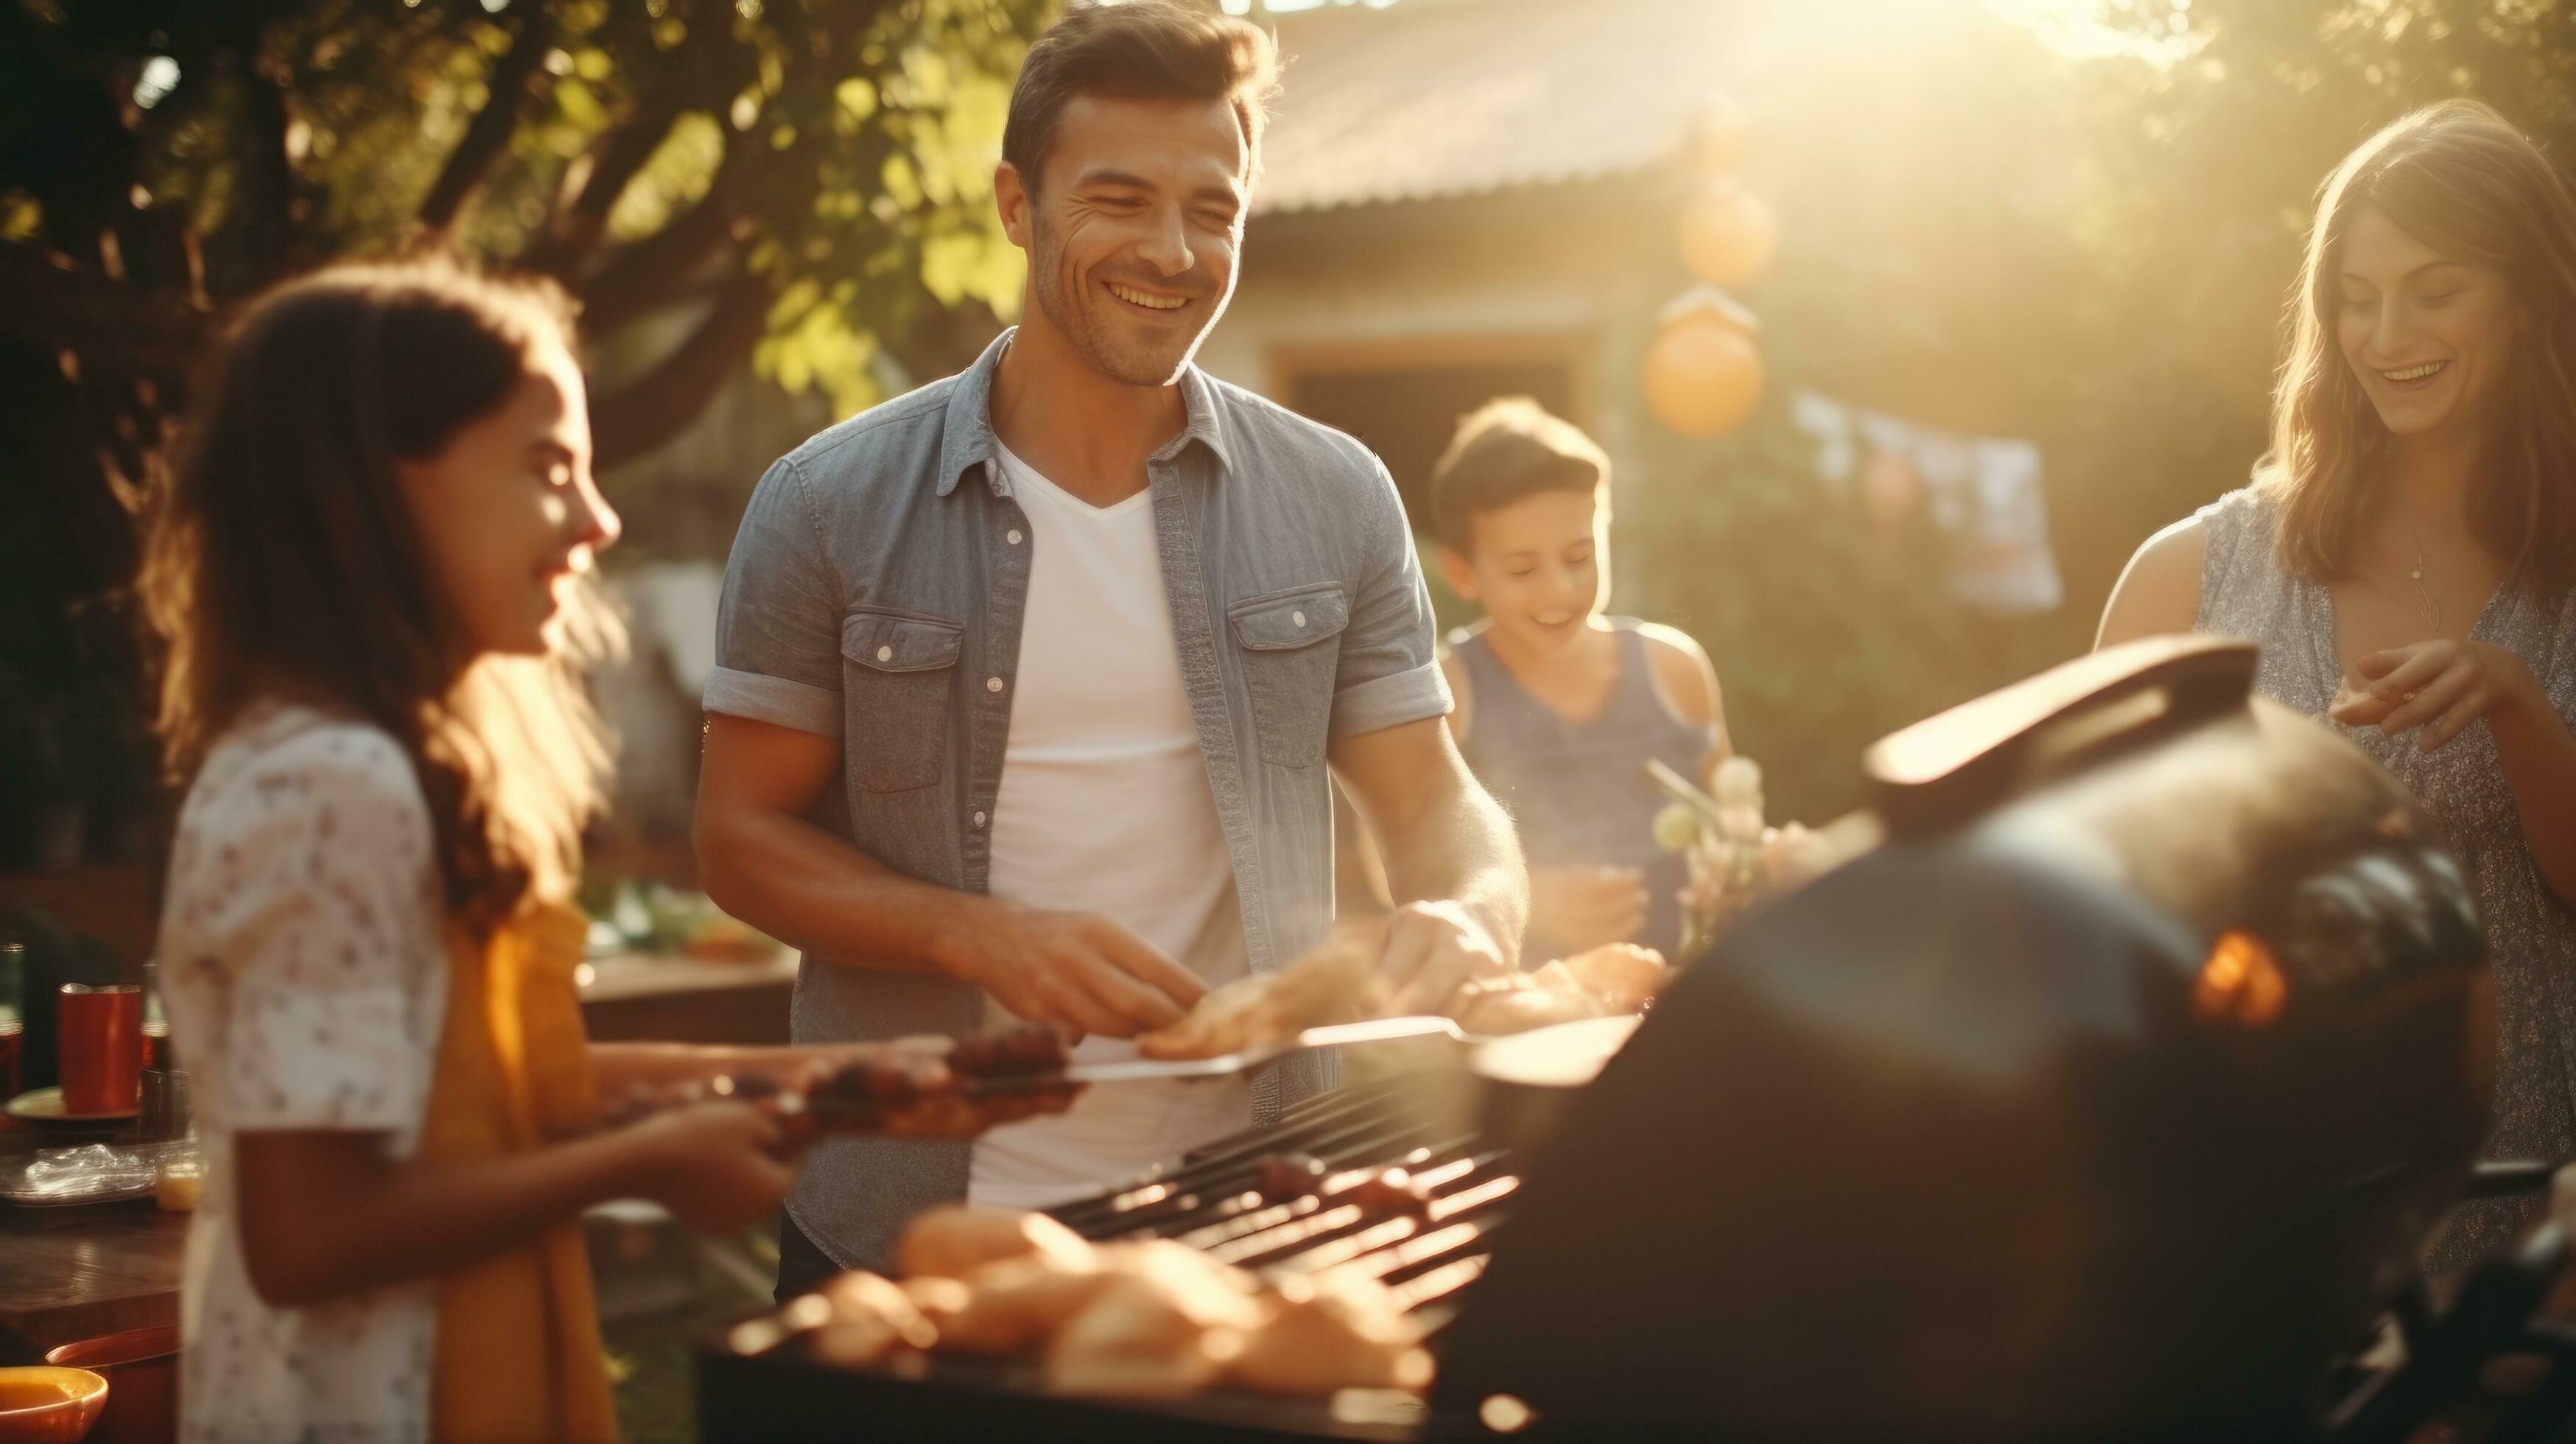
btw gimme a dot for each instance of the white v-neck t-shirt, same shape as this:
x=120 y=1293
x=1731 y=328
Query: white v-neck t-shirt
x=1105 y=808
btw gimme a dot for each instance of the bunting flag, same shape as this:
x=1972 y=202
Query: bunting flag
x=1984 y=494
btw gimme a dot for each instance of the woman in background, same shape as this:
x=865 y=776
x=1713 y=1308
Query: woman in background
x=2405 y=553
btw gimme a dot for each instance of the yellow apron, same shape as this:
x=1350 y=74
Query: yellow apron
x=519 y=1357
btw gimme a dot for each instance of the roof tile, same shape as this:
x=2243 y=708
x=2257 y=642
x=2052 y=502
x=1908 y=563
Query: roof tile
x=1433 y=98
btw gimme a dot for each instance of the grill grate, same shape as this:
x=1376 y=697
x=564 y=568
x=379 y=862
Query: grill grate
x=1428 y=1243
x=1213 y=1200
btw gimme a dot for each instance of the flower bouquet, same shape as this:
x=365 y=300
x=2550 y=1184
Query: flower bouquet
x=1736 y=858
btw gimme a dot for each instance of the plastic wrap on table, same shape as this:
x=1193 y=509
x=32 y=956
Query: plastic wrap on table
x=91 y=1173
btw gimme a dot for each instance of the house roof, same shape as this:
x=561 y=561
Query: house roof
x=1433 y=98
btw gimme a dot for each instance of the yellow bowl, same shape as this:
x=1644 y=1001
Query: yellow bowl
x=45 y=1405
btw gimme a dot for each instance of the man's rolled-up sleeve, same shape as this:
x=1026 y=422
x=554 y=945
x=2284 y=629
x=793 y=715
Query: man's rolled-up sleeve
x=778 y=628
x=1389 y=672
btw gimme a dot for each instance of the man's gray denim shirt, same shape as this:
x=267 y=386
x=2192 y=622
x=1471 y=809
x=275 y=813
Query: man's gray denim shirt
x=875 y=593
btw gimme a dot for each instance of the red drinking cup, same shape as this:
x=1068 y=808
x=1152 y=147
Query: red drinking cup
x=99 y=1040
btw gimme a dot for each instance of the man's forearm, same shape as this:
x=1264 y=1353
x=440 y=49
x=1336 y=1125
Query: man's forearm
x=822 y=894
x=1463 y=849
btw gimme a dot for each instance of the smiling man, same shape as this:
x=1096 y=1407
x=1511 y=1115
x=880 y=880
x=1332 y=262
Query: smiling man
x=1028 y=682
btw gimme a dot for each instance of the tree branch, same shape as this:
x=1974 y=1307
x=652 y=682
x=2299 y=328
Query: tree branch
x=487 y=135
x=700 y=78
x=615 y=158
x=637 y=277
x=941 y=340
x=106 y=323
x=654 y=407
x=271 y=230
x=270 y=176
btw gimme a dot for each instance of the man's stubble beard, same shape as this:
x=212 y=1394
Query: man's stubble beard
x=1070 y=319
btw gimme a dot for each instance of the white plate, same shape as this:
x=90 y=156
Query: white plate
x=45 y=1105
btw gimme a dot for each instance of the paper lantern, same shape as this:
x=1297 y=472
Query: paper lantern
x=1703 y=373
x=1728 y=236
x=1720 y=133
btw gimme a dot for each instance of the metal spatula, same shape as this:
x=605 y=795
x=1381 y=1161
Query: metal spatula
x=1134 y=1070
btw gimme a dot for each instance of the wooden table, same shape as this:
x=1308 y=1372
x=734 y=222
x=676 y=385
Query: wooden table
x=69 y=1274
x=643 y=997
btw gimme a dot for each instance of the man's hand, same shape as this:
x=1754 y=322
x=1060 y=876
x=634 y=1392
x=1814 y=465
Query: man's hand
x=1079 y=971
x=1432 y=948
x=1448 y=847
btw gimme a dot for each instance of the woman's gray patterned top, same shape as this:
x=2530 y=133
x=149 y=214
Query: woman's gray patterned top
x=2531 y=932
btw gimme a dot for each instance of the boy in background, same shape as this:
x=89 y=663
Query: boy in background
x=1559 y=706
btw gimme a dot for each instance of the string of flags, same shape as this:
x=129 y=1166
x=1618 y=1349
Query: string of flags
x=1985 y=494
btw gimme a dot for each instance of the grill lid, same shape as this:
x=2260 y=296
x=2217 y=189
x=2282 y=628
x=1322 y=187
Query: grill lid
x=2112 y=1092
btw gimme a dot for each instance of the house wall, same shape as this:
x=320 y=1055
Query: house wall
x=1577 y=271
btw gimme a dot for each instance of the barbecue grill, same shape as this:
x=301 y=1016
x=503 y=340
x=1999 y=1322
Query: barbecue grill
x=2109 y=1093
x=1428 y=1249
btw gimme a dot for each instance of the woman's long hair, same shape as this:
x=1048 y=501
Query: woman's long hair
x=2460 y=178
x=281 y=564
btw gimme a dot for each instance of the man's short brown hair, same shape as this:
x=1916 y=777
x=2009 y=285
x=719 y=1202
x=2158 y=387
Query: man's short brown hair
x=1139 y=50
x=1505 y=450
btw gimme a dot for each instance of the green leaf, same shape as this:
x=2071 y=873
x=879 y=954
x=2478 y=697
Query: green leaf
x=902 y=182
x=578 y=106
x=857 y=98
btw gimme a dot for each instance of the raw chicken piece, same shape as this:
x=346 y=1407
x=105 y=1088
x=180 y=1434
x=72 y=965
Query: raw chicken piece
x=1216 y=1292
x=1128 y=1320
x=1336 y=983
x=1017 y=1304
x=1013 y=1306
x=1555 y=975
x=1331 y=1332
x=939 y=1300
x=1135 y=1341
x=1162 y=1328
x=871 y=1318
x=1517 y=1003
x=953 y=1241
x=1624 y=976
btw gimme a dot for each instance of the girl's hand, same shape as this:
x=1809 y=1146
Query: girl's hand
x=2441 y=686
x=715 y=1166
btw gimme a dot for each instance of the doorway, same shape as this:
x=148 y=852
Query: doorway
x=1402 y=402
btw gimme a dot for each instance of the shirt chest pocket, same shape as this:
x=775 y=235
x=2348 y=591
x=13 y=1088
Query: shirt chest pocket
x=1291 y=643
x=896 y=670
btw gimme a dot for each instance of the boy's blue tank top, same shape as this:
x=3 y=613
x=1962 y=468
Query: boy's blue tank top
x=1578 y=791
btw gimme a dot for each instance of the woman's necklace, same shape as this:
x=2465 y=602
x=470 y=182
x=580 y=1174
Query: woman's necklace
x=2423 y=595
